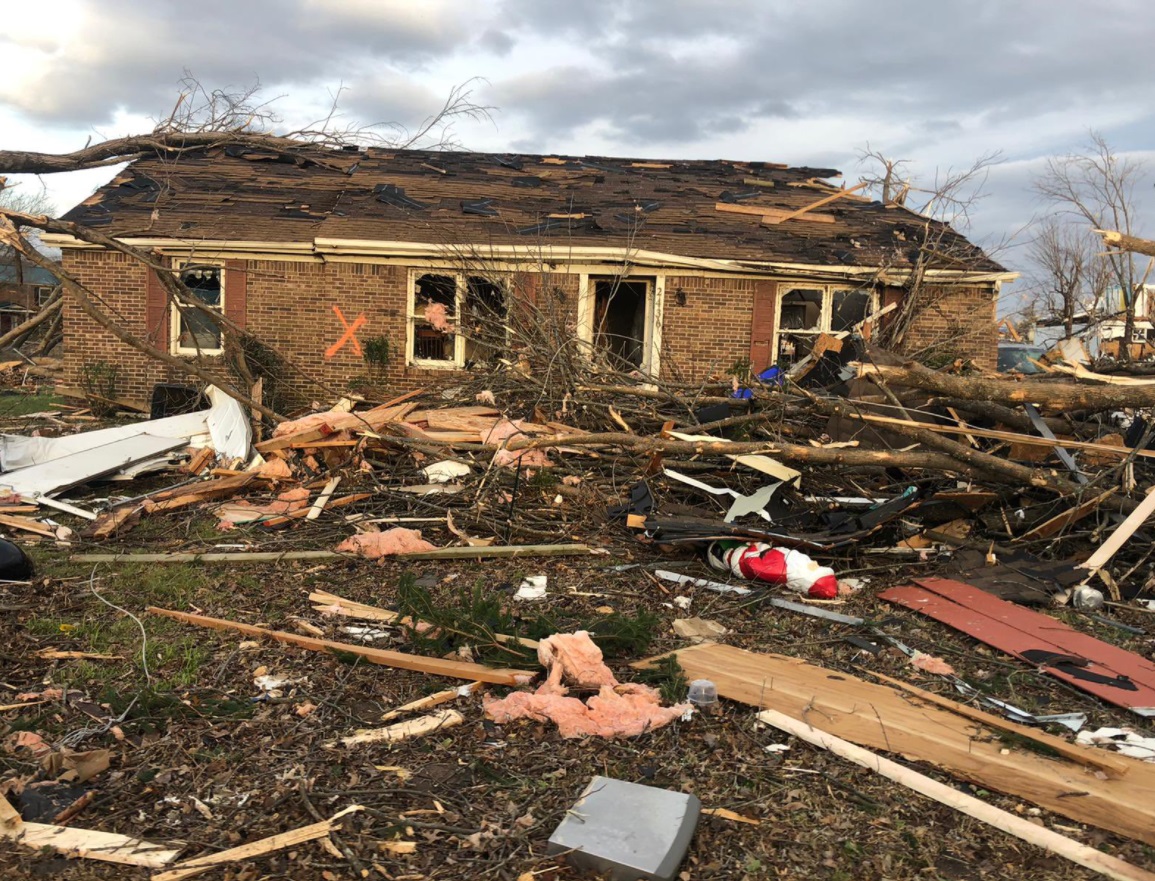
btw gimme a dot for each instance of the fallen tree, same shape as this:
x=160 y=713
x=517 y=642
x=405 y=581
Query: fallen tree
x=1054 y=397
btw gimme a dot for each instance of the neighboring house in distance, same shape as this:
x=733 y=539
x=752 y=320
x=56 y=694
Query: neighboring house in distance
x=680 y=269
x=24 y=288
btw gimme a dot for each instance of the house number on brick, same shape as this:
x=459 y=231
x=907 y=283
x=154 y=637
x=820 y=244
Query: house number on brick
x=349 y=336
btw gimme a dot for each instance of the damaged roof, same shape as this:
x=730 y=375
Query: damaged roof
x=715 y=209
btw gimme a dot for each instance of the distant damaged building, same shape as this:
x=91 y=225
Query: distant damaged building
x=676 y=269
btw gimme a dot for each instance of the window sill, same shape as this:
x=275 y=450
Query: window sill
x=435 y=365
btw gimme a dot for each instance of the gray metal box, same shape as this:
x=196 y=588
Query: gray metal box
x=629 y=830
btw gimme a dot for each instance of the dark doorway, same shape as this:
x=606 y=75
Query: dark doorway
x=620 y=320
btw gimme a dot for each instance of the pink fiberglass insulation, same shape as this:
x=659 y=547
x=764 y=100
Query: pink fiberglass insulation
x=617 y=710
x=438 y=316
x=241 y=511
x=375 y=545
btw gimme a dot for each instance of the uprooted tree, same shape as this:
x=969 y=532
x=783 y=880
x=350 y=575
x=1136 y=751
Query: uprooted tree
x=202 y=118
x=944 y=201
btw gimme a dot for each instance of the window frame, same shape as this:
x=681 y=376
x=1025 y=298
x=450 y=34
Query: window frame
x=460 y=293
x=826 y=313
x=174 y=322
x=43 y=295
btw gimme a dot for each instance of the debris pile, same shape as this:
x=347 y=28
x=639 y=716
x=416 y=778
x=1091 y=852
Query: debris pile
x=508 y=527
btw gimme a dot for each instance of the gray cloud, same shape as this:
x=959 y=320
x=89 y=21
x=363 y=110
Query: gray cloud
x=135 y=53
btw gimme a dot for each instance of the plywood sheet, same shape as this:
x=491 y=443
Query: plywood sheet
x=881 y=718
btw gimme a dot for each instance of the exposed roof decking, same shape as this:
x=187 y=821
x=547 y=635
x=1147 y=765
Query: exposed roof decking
x=453 y=199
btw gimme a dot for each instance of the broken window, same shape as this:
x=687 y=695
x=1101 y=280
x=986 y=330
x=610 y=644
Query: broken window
x=807 y=312
x=621 y=312
x=486 y=321
x=195 y=332
x=456 y=320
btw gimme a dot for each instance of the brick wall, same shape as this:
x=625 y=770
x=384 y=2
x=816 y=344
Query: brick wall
x=711 y=332
x=706 y=327
x=954 y=322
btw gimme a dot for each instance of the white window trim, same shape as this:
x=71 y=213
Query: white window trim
x=825 y=315
x=655 y=316
x=174 y=320
x=461 y=290
x=43 y=294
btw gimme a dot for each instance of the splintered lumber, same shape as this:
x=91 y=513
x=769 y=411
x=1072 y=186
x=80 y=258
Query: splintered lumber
x=1126 y=529
x=200 y=460
x=1054 y=397
x=183 y=496
x=1021 y=828
x=385 y=657
x=1066 y=518
x=1104 y=761
x=405 y=730
x=200 y=865
x=432 y=700
x=826 y=201
x=274 y=522
x=323 y=499
x=301 y=438
x=111 y=522
x=331 y=604
x=768 y=214
x=9 y=817
x=26 y=524
x=879 y=717
x=89 y=844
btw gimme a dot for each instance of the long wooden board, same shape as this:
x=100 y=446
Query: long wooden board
x=89 y=844
x=1006 y=638
x=385 y=657
x=878 y=717
x=1040 y=836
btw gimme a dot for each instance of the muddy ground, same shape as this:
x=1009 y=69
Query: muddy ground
x=201 y=756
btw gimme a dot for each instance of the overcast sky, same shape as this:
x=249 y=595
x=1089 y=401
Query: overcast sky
x=812 y=82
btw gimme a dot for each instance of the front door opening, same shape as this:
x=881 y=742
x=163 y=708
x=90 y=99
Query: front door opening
x=620 y=312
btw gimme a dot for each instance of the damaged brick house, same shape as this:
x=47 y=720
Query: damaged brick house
x=680 y=269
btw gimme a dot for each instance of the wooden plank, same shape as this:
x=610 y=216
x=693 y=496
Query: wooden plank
x=200 y=459
x=25 y=524
x=323 y=499
x=384 y=657
x=482 y=553
x=432 y=700
x=210 y=490
x=1040 y=836
x=299 y=439
x=200 y=865
x=210 y=557
x=878 y=717
x=1066 y=518
x=834 y=197
x=1008 y=436
x=10 y=819
x=1115 y=766
x=767 y=213
x=1126 y=529
x=274 y=522
x=1014 y=642
x=88 y=844
x=406 y=730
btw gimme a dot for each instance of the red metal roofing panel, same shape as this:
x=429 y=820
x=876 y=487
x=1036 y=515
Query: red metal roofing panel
x=1094 y=678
